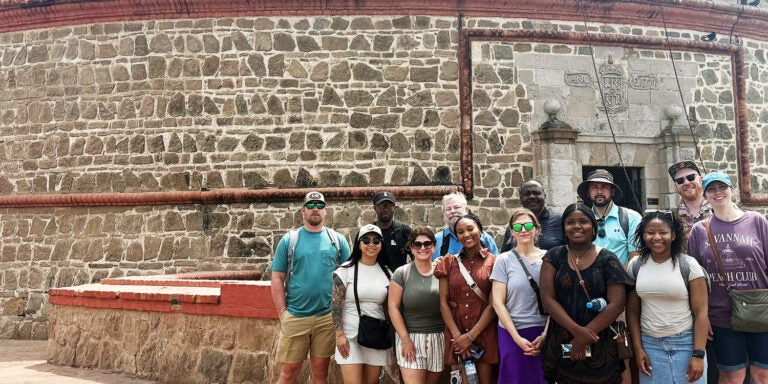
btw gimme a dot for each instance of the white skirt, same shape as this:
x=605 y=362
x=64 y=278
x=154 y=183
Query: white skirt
x=363 y=355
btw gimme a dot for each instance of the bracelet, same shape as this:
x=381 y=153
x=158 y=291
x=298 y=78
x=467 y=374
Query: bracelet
x=340 y=335
x=469 y=334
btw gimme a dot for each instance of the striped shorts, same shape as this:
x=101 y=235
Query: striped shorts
x=429 y=352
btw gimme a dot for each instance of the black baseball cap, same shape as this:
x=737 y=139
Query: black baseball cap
x=384 y=196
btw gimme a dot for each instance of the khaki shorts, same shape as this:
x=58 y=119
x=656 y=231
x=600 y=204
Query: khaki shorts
x=299 y=335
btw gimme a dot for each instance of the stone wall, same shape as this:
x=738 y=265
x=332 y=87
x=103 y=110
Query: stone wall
x=169 y=347
x=165 y=347
x=309 y=102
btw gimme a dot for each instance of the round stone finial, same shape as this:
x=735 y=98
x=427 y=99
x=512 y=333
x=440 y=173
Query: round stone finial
x=673 y=112
x=552 y=107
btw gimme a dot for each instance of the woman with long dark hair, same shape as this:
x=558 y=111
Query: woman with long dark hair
x=579 y=346
x=414 y=308
x=467 y=306
x=365 y=272
x=667 y=311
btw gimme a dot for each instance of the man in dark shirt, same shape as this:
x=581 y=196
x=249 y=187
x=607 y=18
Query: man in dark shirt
x=395 y=233
x=533 y=197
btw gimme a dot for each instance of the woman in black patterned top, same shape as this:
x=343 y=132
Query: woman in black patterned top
x=565 y=300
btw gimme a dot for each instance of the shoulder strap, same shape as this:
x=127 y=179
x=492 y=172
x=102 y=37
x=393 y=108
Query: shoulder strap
x=624 y=220
x=716 y=254
x=293 y=239
x=446 y=243
x=406 y=273
x=685 y=268
x=578 y=273
x=635 y=268
x=532 y=282
x=470 y=280
x=357 y=299
x=335 y=241
x=354 y=287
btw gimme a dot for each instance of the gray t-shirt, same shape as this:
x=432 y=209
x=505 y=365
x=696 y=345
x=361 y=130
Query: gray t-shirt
x=521 y=299
x=421 y=301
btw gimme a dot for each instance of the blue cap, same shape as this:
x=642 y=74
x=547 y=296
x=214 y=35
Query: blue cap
x=715 y=176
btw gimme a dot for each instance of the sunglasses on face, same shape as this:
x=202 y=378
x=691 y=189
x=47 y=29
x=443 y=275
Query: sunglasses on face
x=681 y=180
x=313 y=205
x=419 y=244
x=518 y=227
x=600 y=230
x=368 y=240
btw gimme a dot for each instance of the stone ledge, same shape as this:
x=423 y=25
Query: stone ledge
x=166 y=293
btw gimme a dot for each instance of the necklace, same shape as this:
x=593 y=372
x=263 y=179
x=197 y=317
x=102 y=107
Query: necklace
x=577 y=259
x=605 y=211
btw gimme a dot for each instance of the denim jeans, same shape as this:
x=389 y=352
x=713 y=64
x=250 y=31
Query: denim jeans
x=669 y=358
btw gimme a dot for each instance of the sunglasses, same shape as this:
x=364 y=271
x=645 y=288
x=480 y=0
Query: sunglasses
x=368 y=240
x=600 y=230
x=681 y=180
x=419 y=244
x=518 y=227
x=664 y=212
x=313 y=205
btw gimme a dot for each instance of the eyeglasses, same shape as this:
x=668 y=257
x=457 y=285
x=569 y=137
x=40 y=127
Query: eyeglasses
x=681 y=180
x=518 y=227
x=601 y=230
x=419 y=244
x=368 y=240
x=313 y=205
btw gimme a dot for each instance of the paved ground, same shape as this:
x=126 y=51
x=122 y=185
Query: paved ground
x=24 y=362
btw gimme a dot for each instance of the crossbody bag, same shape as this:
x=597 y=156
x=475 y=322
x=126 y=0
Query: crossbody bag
x=749 y=306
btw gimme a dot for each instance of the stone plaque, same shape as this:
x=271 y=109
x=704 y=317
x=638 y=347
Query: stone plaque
x=644 y=81
x=614 y=82
x=578 y=79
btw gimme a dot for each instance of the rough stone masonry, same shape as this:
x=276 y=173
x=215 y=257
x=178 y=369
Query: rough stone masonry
x=285 y=102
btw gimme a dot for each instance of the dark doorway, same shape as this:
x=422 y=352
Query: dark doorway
x=632 y=188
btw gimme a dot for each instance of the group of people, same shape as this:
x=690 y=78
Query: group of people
x=554 y=306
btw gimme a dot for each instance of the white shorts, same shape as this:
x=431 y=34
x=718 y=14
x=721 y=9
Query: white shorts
x=429 y=352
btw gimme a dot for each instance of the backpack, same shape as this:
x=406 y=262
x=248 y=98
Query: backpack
x=293 y=239
x=685 y=271
x=624 y=221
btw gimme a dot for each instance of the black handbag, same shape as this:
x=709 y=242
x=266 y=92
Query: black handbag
x=371 y=332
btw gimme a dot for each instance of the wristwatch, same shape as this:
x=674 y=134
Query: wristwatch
x=699 y=353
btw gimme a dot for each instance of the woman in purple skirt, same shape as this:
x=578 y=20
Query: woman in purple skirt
x=517 y=303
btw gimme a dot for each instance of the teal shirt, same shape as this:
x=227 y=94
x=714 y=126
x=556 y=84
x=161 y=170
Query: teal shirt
x=615 y=240
x=314 y=260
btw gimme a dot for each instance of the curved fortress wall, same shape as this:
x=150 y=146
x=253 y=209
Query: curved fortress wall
x=277 y=99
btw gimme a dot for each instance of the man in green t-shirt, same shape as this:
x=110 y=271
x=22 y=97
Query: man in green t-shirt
x=301 y=290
